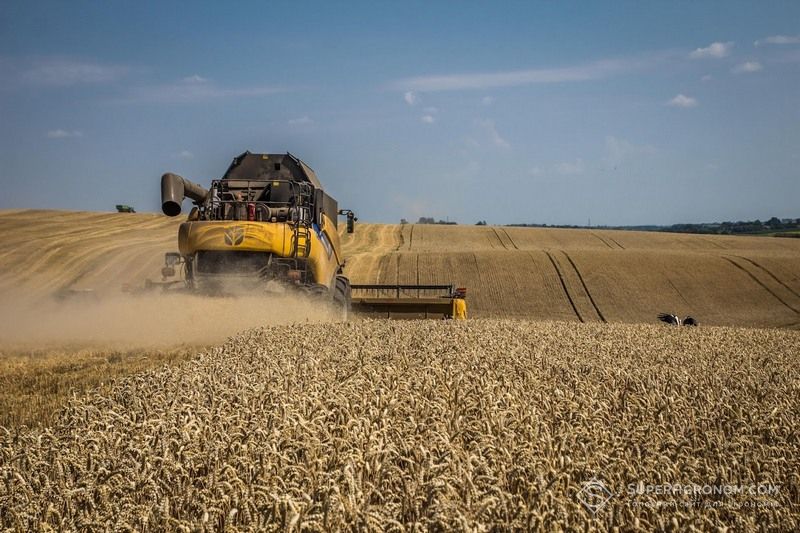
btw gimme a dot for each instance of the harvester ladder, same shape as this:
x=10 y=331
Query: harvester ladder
x=302 y=240
x=302 y=229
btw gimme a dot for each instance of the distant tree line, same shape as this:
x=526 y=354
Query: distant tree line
x=568 y=226
x=430 y=220
x=786 y=227
x=741 y=227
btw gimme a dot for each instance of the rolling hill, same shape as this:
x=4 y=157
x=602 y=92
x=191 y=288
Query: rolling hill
x=537 y=273
x=579 y=274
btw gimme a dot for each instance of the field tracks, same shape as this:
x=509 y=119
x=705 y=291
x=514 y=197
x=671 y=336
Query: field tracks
x=477 y=269
x=564 y=285
x=379 y=277
x=401 y=240
x=397 y=268
x=585 y=288
x=496 y=234
x=671 y=284
x=770 y=274
x=763 y=285
x=601 y=240
x=612 y=239
x=504 y=239
x=617 y=245
x=505 y=231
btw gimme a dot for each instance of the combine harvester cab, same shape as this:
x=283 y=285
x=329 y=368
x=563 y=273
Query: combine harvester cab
x=268 y=225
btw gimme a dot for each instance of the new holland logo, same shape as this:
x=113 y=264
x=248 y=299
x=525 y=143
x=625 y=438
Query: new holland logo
x=234 y=236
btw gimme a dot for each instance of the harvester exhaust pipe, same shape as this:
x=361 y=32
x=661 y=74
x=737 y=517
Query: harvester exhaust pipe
x=174 y=189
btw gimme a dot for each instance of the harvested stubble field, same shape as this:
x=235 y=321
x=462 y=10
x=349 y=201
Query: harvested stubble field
x=45 y=251
x=587 y=275
x=426 y=425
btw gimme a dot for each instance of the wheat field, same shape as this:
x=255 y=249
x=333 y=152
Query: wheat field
x=427 y=425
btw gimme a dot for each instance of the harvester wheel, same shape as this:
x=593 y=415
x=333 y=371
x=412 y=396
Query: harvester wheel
x=341 y=297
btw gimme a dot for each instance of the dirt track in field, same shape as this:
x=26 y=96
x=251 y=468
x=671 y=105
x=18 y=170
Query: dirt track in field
x=560 y=274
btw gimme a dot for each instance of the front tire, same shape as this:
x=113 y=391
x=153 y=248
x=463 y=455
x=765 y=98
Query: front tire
x=341 y=298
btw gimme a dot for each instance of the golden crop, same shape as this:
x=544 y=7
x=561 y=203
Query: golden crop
x=418 y=425
x=36 y=382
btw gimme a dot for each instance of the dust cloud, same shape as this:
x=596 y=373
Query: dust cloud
x=148 y=320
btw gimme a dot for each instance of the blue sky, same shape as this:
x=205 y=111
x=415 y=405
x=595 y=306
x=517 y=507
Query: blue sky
x=556 y=112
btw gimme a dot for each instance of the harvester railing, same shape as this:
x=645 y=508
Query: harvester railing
x=400 y=290
x=244 y=201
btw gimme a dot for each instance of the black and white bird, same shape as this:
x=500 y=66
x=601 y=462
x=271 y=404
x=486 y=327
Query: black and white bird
x=675 y=320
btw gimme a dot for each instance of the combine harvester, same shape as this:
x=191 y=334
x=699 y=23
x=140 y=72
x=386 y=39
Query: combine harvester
x=268 y=226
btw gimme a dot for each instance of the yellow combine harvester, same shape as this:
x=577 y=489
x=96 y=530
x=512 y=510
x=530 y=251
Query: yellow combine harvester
x=268 y=225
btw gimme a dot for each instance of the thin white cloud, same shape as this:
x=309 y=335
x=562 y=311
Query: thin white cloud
x=300 y=121
x=65 y=72
x=683 y=101
x=715 y=50
x=195 y=78
x=535 y=171
x=410 y=97
x=618 y=150
x=570 y=168
x=184 y=154
x=778 y=39
x=747 y=67
x=490 y=80
x=427 y=119
x=494 y=136
x=487 y=100
x=194 y=90
x=63 y=134
x=431 y=110
x=707 y=77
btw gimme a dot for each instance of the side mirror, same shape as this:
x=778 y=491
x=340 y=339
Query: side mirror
x=351 y=219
